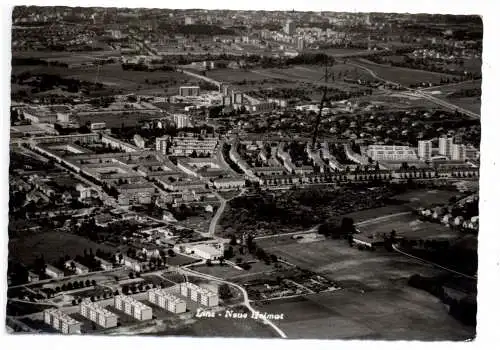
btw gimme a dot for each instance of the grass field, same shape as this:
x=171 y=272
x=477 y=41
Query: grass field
x=411 y=227
x=396 y=313
x=52 y=244
x=426 y=198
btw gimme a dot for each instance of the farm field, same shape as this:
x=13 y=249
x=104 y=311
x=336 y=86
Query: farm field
x=399 y=312
x=52 y=244
x=403 y=76
x=471 y=103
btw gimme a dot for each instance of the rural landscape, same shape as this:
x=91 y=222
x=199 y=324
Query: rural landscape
x=259 y=174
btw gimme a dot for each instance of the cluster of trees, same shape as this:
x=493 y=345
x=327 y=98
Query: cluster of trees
x=464 y=309
x=146 y=67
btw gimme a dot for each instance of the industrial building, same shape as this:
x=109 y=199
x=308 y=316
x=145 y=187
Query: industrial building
x=98 y=314
x=200 y=295
x=166 y=300
x=208 y=252
x=62 y=322
x=132 y=307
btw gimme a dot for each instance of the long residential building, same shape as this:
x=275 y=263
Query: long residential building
x=132 y=307
x=166 y=300
x=62 y=322
x=119 y=144
x=98 y=314
x=391 y=153
x=200 y=295
x=185 y=146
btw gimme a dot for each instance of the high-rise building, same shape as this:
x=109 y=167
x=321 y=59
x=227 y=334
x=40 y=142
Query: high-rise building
x=445 y=144
x=181 y=121
x=300 y=44
x=424 y=149
x=458 y=152
x=162 y=144
x=290 y=27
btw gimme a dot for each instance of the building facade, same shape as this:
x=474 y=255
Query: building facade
x=62 y=322
x=98 y=314
x=200 y=295
x=187 y=91
x=167 y=301
x=132 y=307
x=445 y=145
x=392 y=153
x=458 y=152
x=425 y=149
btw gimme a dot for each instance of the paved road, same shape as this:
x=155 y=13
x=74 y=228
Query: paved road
x=246 y=301
x=218 y=213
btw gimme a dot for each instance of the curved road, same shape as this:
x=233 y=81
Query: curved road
x=246 y=301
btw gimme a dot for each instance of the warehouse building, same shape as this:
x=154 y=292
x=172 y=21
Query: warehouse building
x=62 y=322
x=166 y=300
x=132 y=307
x=200 y=295
x=98 y=314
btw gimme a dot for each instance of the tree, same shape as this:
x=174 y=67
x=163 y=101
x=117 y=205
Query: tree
x=347 y=225
x=125 y=289
x=131 y=275
x=94 y=283
x=209 y=262
x=87 y=283
x=233 y=240
x=225 y=292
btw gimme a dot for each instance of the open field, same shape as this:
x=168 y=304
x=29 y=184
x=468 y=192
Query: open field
x=399 y=312
x=426 y=198
x=348 y=266
x=52 y=244
x=411 y=227
x=403 y=76
x=445 y=93
x=114 y=77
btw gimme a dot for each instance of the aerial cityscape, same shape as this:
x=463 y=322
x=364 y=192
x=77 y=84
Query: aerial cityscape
x=259 y=174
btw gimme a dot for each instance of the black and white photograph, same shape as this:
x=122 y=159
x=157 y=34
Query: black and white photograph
x=243 y=173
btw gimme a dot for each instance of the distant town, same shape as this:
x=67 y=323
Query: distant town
x=244 y=173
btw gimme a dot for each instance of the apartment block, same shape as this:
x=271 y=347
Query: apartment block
x=424 y=149
x=166 y=300
x=445 y=145
x=200 y=295
x=62 y=322
x=458 y=152
x=132 y=307
x=98 y=314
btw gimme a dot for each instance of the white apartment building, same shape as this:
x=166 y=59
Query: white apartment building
x=458 y=152
x=166 y=300
x=161 y=144
x=425 y=149
x=445 y=144
x=62 y=322
x=391 y=153
x=181 y=121
x=98 y=314
x=132 y=307
x=132 y=263
x=185 y=146
x=200 y=295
